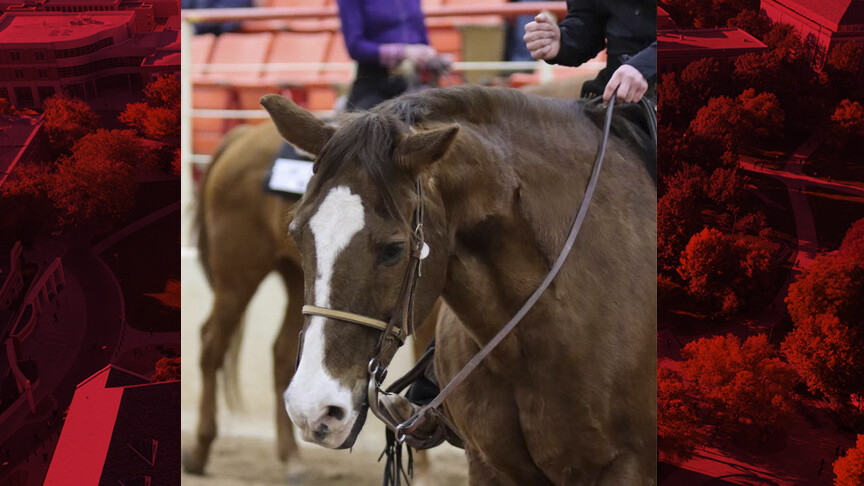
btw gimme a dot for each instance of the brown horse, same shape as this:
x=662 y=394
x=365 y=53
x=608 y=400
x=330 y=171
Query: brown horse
x=242 y=238
x=570 y=396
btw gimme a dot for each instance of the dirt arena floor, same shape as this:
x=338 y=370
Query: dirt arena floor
x=244 y=461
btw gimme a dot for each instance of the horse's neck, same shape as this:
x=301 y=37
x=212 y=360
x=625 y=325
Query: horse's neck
x=509 y=209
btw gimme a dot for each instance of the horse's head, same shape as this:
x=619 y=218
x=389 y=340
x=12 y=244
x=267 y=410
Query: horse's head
x=354 y=230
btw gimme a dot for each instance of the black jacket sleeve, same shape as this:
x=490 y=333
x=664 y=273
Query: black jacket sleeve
x=582 y=33
x=645 y=61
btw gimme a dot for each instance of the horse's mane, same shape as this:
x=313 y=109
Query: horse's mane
x=370 y=137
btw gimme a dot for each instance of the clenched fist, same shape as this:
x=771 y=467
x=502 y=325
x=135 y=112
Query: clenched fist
x=542 y=37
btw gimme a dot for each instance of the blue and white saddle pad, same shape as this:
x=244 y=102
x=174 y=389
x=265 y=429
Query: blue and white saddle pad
x=289 y=174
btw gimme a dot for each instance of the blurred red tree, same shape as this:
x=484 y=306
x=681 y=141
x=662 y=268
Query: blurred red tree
x=97 y=182
x=827 y=355
x=724 y=271
x=847 y=124
x=159 y=117
x=753 y=21
x=740 y=380
x=678 y=218
x=167 y=369
x=67 y=120
x=849 y=469
x=826 y=304
x=679 y=427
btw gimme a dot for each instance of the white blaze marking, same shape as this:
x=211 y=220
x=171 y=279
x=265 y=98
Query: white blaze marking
x=338 y=219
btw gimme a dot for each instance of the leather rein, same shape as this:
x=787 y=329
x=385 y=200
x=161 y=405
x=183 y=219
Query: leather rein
x=401 y=326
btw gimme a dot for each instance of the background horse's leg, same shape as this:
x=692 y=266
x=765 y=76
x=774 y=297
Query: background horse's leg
x=216 y=336
x=285 y=356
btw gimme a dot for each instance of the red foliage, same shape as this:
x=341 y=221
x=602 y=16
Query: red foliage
x=97 y=182
x=847 y=124
x=679 y=426
x=678 y=219
x=826 y=304
x=752 y=21
x=726 y=271
x=832 y=285
x=67 y=120
x=726 y=188
x=827 y=355
x=167 y=369
x=159 y=117
x=853 y=241
x=849 y=469
x=740 y=380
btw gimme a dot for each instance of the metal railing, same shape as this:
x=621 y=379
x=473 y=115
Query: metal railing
x=190 y=17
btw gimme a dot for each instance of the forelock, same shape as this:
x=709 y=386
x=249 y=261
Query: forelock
x=367 y=140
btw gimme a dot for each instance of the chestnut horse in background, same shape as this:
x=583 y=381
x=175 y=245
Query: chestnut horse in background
x=242 y=238
x=569 y=397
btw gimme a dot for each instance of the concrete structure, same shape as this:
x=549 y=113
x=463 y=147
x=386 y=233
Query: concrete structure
x=823 y=24
x=11 y=275
x=120 y=429
x=679 y=47
x=22 y=140
x=85 y=48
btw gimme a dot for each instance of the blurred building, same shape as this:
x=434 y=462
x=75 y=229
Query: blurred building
x=22 y=140
x=678 y=47
x=85 y=48
x=11 y=279
x=120 y=429
x=821 y=23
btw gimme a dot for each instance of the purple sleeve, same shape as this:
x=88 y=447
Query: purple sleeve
x=359 y=48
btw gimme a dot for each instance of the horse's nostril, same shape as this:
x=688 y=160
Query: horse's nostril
x=337 y=413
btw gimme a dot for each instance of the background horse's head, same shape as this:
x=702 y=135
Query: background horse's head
x=353 y=229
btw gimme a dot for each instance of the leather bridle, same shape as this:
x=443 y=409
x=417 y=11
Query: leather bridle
x=401 y=325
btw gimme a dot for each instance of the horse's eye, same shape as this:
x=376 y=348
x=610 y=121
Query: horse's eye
x=390 y=253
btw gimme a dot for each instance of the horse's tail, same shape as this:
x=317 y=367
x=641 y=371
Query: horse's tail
x=230 y=365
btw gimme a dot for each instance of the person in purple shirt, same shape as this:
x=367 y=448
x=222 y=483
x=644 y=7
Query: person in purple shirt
x=379 y=35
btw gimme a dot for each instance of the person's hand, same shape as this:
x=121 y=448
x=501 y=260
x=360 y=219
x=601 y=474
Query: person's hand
x=542 y=37
x=629 y=82
x=420 y=54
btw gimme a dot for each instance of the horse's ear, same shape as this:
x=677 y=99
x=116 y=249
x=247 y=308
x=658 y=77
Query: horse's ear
x=420 y=150
x=297 y=125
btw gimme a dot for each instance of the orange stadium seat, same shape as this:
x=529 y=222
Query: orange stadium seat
x=297 y=47
x=446 y=40
x=218 y=89
x=287 y=48
x=202 y=47
x=235 y=48
x=338 y=53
